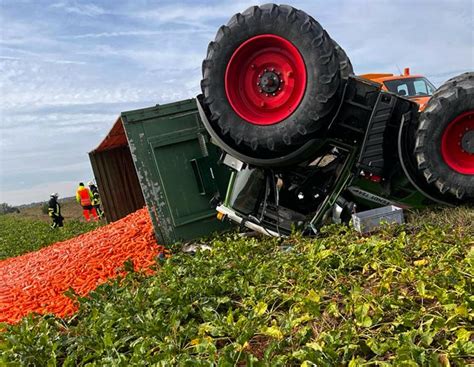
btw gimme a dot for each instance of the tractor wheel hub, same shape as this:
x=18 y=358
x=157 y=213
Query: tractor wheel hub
x=270 y=82
x=467 y=142
x=265 y=79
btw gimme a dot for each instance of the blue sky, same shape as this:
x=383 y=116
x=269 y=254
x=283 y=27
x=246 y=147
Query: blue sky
x=68 y=68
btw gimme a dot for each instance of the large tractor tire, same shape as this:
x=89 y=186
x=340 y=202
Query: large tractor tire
x=444 y=145
x=345 y=65
x=270 y=83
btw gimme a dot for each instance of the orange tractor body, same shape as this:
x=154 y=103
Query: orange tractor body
x=413 y=86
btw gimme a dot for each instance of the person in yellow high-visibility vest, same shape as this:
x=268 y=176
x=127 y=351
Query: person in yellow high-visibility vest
x=84 y=197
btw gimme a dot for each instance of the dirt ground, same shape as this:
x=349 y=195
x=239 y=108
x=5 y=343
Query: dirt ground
x=70 y=209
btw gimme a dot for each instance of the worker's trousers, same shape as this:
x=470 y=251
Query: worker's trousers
x=87 y=211
x=57 y=222
x=99 y=211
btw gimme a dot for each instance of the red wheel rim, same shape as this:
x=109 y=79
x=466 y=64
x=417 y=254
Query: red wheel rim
x=265 y=79
x=457 y=143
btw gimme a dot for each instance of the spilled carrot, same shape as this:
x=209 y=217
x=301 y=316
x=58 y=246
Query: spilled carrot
x=36 y=282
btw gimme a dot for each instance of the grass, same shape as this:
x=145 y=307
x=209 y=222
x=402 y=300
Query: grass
x=461 y=217
x=401 y=297
x=19 y=234
x=29 y=230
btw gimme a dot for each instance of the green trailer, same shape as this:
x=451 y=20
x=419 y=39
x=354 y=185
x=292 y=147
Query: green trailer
x=178 y=170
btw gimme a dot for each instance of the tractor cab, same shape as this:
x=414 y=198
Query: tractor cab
x=415 y=87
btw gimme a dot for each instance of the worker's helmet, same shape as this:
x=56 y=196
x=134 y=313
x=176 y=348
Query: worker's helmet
x=54 y=195
x=90 y=183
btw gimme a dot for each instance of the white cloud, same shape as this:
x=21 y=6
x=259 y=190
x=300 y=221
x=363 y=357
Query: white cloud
x=38 y=192
x=138 y=33
x=26 y=34
x=73 y=7
x=78 y=121
x=53 y=61
x=193 y=13
x=9 y=58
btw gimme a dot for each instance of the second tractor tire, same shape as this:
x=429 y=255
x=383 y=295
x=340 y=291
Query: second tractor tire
x=444 y=139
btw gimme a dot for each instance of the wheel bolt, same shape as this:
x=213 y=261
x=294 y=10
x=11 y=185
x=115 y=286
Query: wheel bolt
x=252 y=66
x=273 y=69
x=289 y=74
x=260 y=90
x=258 y=83
x=266 y=94
x=262 y=104
x=279 y=88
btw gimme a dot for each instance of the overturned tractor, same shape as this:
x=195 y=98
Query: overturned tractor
x=309 y=141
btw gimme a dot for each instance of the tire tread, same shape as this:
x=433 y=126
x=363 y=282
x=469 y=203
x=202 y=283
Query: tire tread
x=452 y=95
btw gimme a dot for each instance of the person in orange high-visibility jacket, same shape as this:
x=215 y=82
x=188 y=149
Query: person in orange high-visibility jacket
x=84 y=197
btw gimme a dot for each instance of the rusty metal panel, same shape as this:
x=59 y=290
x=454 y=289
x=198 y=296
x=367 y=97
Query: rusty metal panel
x=117 y=181
x=115 y=138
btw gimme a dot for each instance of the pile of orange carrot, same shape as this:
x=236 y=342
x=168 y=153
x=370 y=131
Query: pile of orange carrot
x=36 y=282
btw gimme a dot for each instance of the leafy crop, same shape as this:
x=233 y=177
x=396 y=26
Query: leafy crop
x=402 y=297
x=19 y=235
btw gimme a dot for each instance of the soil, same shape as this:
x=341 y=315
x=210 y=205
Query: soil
x=70 y=210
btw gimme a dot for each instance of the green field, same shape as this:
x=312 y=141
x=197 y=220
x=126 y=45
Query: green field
x=402 y=297
x=20 y=234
